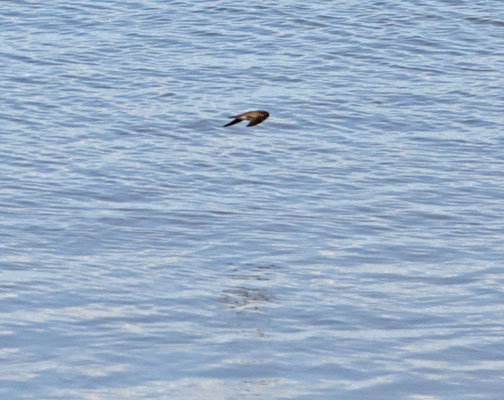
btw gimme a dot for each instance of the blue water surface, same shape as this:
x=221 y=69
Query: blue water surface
x=349 y=247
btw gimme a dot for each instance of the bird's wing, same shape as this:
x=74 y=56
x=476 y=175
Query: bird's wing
x=235 y=121
x=257 y=120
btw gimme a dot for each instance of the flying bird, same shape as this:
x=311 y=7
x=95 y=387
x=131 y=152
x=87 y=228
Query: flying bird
x=255 y=117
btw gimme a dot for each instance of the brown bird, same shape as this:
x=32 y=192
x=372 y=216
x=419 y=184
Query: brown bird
x=255 y=117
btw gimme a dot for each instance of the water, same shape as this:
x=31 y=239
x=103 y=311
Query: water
x=350 y=247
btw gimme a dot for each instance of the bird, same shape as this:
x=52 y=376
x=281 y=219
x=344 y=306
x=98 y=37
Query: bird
x=255 y=117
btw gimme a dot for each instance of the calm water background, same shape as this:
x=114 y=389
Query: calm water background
x=350 y=247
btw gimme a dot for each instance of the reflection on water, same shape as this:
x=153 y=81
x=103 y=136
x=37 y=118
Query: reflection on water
x=246 y=298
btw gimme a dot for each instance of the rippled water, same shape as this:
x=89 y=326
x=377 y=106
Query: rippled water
x=350 y=247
